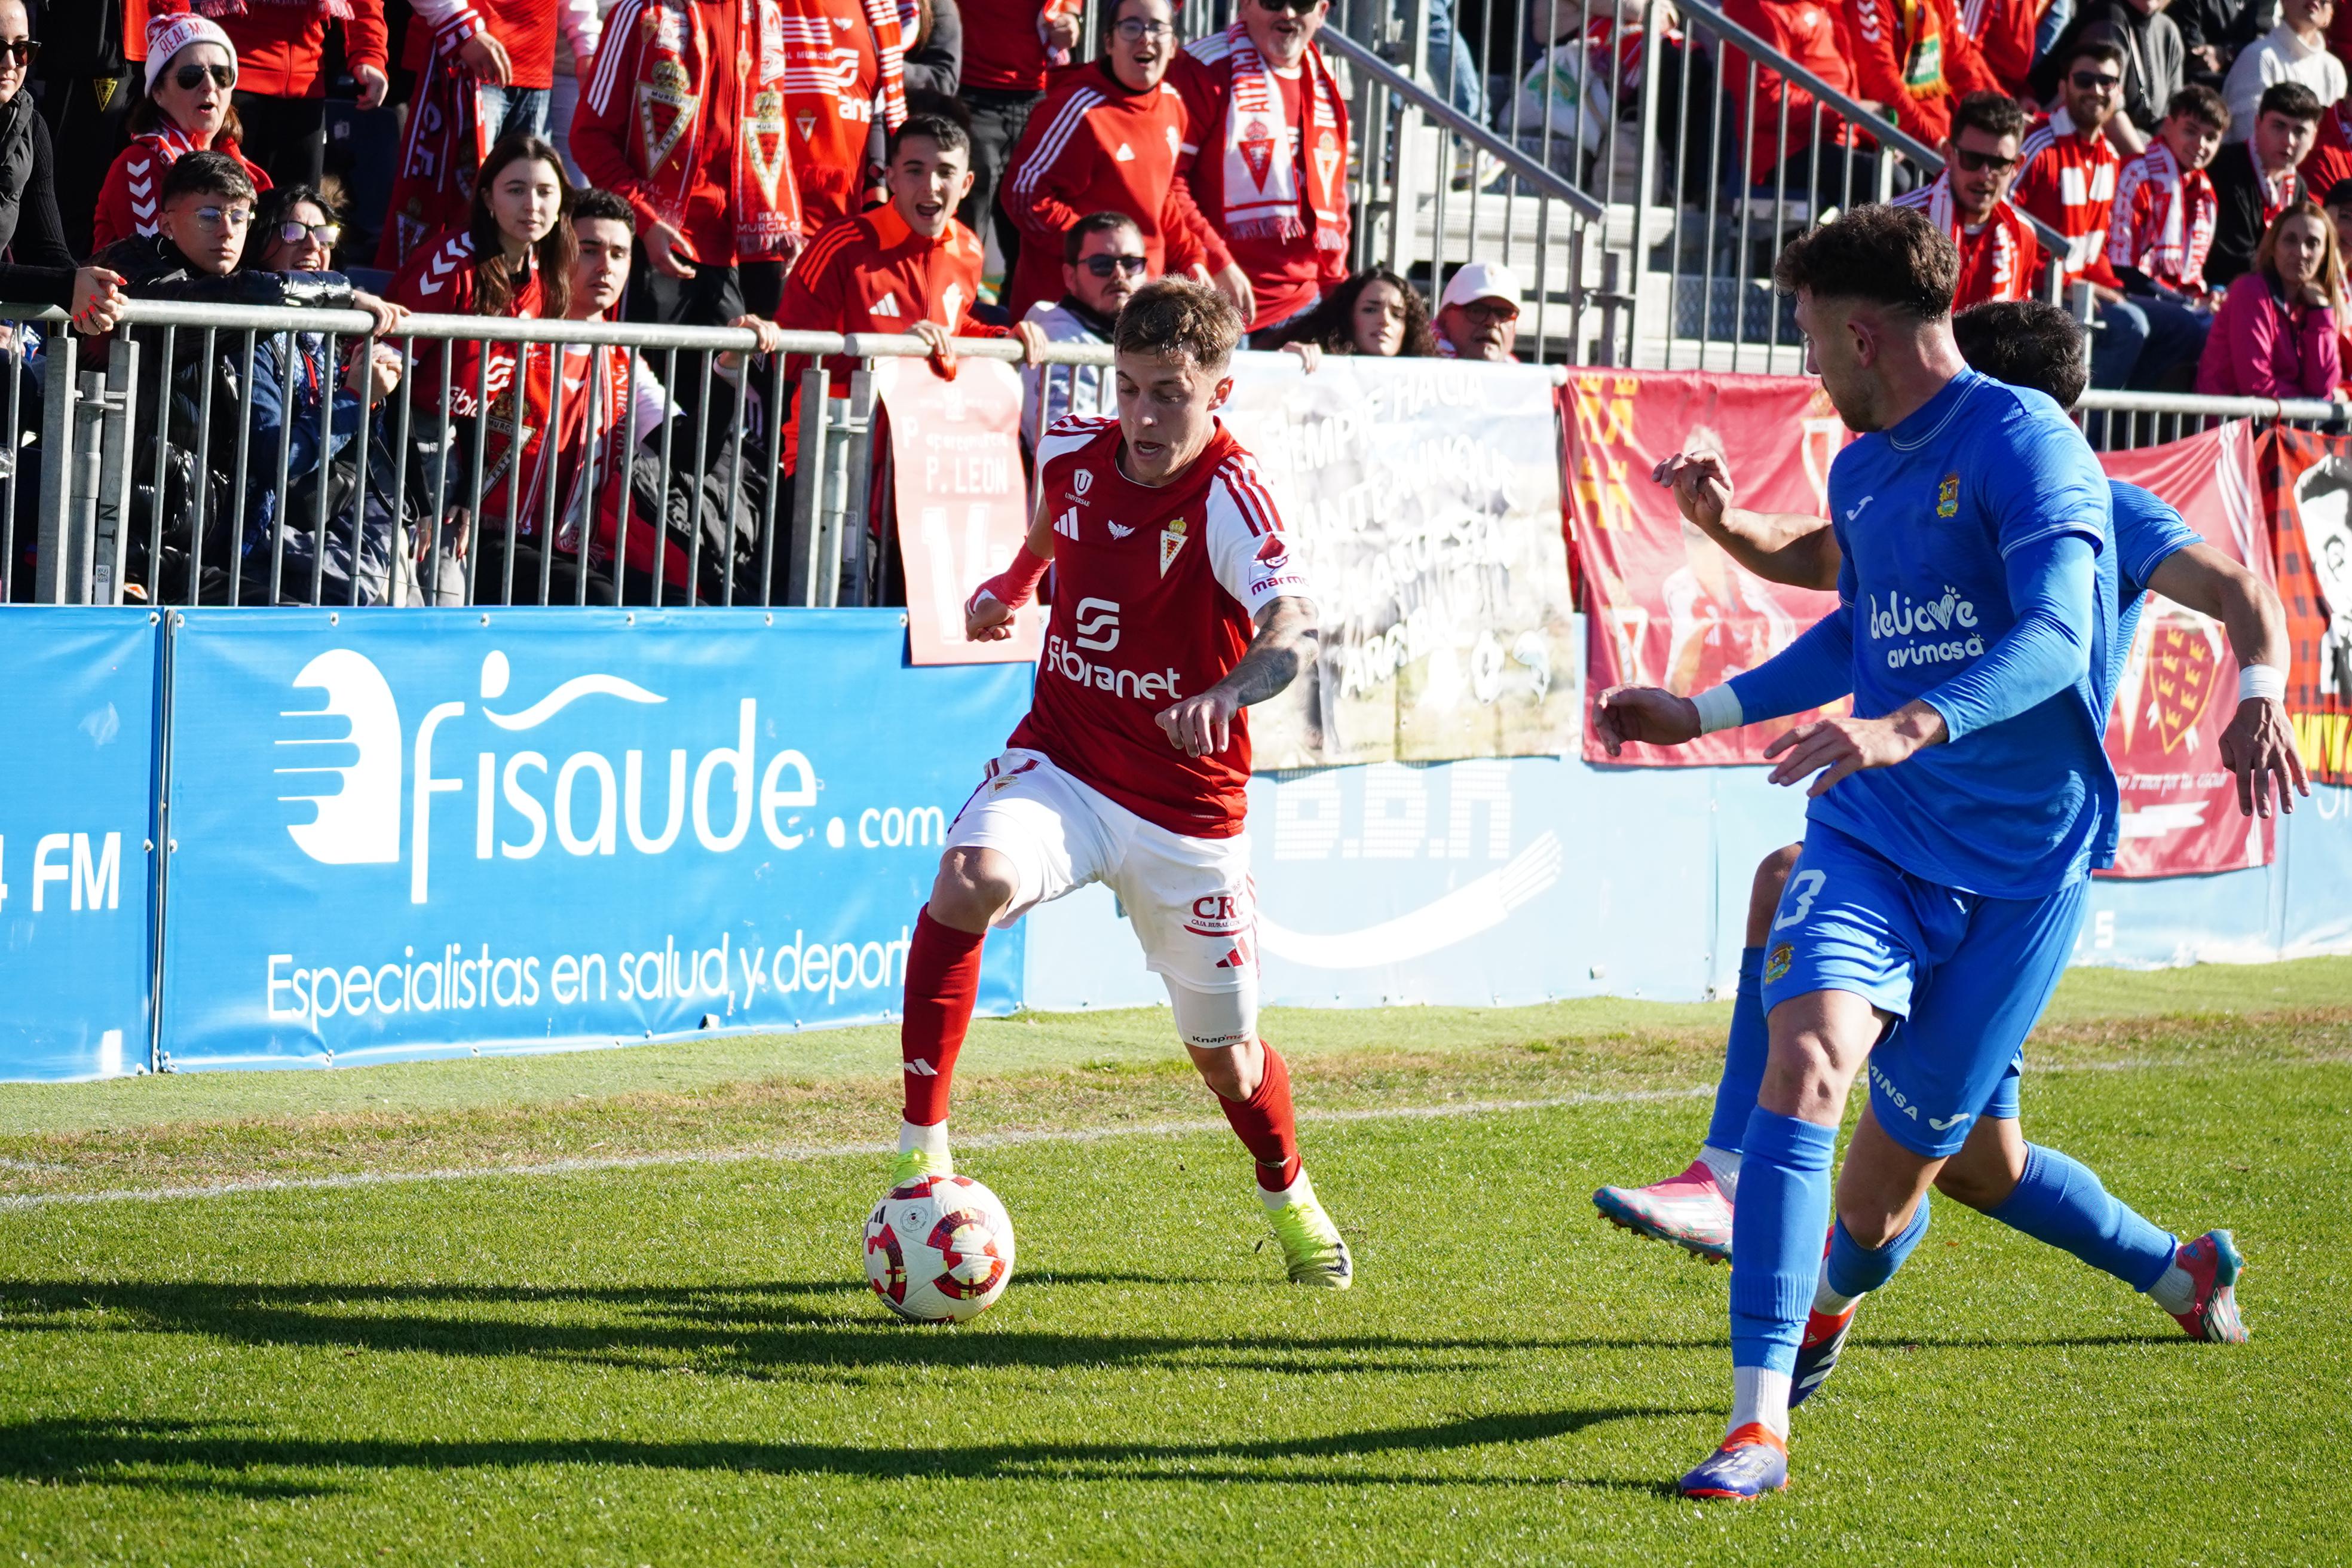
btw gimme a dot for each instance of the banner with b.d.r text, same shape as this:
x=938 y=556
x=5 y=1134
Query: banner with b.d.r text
x=395 y=833
x=1669 y=607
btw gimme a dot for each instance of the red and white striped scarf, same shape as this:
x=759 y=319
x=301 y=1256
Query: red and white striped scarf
x=1262 y=197
x=446 y=142
x=2174 y=245
x=665 y=66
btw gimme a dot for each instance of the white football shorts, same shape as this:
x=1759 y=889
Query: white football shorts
x=1189 y=900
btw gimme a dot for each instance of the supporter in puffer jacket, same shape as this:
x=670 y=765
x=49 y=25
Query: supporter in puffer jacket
x=195 y=537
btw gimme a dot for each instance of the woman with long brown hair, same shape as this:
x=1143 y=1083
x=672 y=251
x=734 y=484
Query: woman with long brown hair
x=1375 y=313
x=514 y=258
x=2274 y=335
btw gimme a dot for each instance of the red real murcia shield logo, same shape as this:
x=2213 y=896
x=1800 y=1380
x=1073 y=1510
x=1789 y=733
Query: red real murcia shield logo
x=1257 y=150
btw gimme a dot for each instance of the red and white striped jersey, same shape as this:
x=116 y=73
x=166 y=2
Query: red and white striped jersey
x=2163 y=221
x=1156 y=594
x=2067 y=179
x=1999 y=258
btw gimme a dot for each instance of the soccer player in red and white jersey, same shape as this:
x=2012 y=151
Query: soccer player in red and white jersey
x=2163 y=222
x=1176 y=606
x=1999 y=257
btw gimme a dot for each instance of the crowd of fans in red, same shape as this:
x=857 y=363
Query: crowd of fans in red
x=851 y=165
x=2195 y=156
x=826 y=165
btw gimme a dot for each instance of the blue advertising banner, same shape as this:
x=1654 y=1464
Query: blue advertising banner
x=77 y=820
x=407 y=834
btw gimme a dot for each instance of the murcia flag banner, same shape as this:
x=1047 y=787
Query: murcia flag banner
x=1668 y=607
x=2179 y=688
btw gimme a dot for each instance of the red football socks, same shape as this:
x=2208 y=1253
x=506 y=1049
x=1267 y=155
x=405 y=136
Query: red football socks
x=1265 y=1126
x=942 y=983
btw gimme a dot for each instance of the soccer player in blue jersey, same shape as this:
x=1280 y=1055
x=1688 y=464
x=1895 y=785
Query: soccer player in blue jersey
x=2036 y=1190
x=1954 y=815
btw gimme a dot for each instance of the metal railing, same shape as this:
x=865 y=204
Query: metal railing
x=166 y=479
x=1636 y=167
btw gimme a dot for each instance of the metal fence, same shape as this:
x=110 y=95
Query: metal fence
x=214 y=455
x=513 y=461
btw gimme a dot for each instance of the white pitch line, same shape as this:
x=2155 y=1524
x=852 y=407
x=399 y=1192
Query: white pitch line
x=791 y=1153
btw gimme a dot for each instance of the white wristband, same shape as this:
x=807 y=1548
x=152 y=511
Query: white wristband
x=1719 y=708
x=2262 y=680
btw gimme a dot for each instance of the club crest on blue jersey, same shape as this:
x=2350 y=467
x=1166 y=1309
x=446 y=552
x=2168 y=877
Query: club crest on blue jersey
x=1947 y=498
x=1777 y=965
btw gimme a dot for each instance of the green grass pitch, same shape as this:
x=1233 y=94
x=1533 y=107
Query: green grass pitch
x=373 y=1338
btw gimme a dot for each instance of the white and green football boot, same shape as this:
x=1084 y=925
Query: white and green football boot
x=1311 y=1246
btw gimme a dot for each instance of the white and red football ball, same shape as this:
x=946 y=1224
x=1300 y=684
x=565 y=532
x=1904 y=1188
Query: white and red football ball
x=938 y=1249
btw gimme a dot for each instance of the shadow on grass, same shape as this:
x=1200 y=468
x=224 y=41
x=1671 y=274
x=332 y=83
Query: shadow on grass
x=782 y=1330
x=184 y=1456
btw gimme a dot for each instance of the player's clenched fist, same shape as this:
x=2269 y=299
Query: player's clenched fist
x=1649 y=714
x=1200 y=726
x=986 y=618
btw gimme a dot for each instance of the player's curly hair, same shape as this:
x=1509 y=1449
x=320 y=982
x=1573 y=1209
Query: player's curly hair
x=1884 y=255
x=1174 y=318
x=2025 y=342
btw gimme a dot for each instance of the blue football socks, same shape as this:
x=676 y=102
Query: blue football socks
x=2060 y=1200
x=1743 y=1057
x=1852 y=1269
x=1776 y=1236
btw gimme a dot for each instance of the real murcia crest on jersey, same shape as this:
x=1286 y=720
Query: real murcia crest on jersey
x=1171 y=539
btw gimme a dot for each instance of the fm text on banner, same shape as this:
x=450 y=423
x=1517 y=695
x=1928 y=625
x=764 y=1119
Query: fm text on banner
x=407 y=833
x=1423 y=499
x=2307 y=491
x=77 y=819
x=962 y=499
x=1668 y=607
x=2179 y=689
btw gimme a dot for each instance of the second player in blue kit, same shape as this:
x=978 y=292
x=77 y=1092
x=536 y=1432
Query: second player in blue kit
x=1954 y=815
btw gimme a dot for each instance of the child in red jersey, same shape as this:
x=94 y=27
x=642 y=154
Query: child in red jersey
x=1177 y=605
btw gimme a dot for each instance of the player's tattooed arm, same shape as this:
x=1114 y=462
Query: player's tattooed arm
x=1787 y=547
x=2259 y=744
x=1286 y=642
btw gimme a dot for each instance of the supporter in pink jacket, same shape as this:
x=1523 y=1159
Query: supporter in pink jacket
x=2275 y=334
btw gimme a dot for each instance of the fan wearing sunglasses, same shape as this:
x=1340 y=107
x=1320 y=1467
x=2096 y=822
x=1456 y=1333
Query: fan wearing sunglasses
x=190 y=76
x=40 y=269
x=1103 y=264
x=2000 y=258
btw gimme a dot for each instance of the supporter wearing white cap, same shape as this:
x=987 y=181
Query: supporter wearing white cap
x=191 y=72
x=1478 y=317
